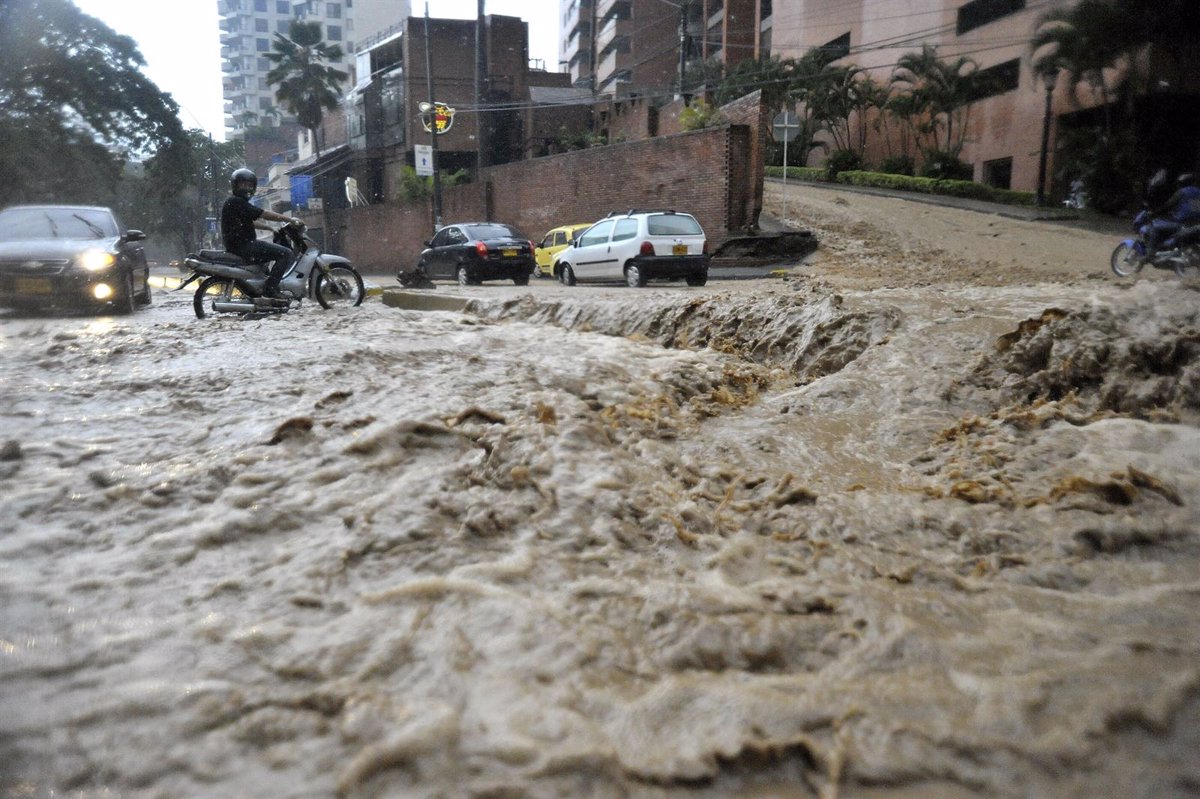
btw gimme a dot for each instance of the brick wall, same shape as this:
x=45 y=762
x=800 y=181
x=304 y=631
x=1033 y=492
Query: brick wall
x=751 y=112
x=706 y=173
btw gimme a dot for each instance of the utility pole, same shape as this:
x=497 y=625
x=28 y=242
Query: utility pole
x=682 y=43
x=479 y=67
x=437 y=183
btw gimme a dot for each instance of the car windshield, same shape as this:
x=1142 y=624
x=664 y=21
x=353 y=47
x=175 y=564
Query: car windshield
x=22 y=224
x=673 y=225
x=493 y=232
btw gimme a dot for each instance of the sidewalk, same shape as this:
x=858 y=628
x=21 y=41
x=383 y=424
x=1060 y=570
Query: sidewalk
x=1027 y=213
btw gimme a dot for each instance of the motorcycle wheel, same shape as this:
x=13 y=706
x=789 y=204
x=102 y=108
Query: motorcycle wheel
x=342 y=286
x=216 y=289
x=1125 y=261
x=1189 y=264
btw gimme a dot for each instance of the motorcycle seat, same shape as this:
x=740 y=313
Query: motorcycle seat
x=223 y=257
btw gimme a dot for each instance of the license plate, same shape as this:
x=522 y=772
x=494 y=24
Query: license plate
x=32 y=285
x=679 y=249
x=509 y=253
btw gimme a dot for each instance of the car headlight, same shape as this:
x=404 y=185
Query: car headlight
x=95 y=260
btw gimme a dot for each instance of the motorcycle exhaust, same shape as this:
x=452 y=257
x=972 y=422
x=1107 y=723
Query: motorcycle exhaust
x=233 y=307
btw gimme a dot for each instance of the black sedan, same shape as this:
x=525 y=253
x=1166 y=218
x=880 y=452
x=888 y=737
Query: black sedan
x=70 y=255
x=471 y=252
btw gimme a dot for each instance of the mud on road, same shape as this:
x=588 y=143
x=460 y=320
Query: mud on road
x=919 y=520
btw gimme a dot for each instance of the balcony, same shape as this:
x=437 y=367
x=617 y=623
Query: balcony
x=614 y=9
x=618 y=44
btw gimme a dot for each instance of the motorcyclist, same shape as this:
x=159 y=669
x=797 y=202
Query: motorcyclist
x=239 y=218
x=1170 y=215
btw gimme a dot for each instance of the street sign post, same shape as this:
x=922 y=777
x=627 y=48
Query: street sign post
x=785 y=127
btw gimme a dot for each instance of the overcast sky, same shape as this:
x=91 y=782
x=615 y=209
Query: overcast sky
x=180 y=41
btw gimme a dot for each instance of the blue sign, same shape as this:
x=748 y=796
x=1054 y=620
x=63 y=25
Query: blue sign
x=302 y=190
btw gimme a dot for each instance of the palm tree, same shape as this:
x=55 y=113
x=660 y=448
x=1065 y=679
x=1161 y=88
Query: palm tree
x=308 y=85
x=1084 y=41
x=945 y=90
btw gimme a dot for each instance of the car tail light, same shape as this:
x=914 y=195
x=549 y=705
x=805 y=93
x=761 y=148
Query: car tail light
x=481 y=248
x=531 y=247
x=646 y=249
x=705 y=250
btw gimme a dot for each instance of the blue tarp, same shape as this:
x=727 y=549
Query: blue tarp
x=302 y=190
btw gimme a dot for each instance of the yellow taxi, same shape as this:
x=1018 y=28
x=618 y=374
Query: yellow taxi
x=554 y=242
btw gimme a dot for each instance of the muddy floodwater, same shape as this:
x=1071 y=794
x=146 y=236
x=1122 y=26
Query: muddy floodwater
x=845 y=534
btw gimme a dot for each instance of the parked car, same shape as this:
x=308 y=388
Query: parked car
x=471 y=252
x=71 y=255
x=636 y=246
x=554 y=242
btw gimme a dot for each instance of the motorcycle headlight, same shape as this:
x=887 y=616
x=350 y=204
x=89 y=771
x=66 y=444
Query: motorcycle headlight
x=95 y=260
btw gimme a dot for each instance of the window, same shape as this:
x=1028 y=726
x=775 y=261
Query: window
x=995 y=80
x=333 y=33
x=837 y=48
x=261 y=25
x=998 y=173
x=264 y=103
x=262 y=45
x=673 y=225
x=764 y=9
x=260 y=5
x=283 y=7
x=283 y=25
x=978 y=13
x=333 y=10
x=560 y=239
x=264 y=65
x=625 y=229
x=596 y=235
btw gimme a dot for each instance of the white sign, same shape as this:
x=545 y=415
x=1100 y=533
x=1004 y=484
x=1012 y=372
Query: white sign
x=786 y=126
x=423 y=158
x=315 y=203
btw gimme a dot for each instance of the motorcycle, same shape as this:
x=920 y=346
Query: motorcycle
x=231 y=285
x=1179 y=251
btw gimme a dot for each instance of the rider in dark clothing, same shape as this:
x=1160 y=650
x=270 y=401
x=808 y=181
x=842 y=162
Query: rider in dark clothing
x=1174 y=213
x=239 y=219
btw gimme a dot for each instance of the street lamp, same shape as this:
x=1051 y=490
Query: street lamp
x=1049 y=79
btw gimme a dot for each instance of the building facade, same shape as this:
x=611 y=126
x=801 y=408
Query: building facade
x=248 y=28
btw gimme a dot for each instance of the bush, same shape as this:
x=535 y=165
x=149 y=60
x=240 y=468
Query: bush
x=924 y=185
x=944 y=166
x=899 y=165
x=700 y=115
x=809 y=173
x=411 y=187
x=842 y=161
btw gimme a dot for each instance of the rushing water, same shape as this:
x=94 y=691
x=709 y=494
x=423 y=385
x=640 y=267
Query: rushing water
x=760 y=542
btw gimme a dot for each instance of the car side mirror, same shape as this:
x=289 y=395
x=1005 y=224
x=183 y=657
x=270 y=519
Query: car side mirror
x=133 y=235
x=428 y=243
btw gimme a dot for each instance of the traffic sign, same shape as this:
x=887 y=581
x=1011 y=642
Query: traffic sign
x=785 y=126
x=423 y=159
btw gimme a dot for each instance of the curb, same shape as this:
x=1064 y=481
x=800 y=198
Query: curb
x=419 y=301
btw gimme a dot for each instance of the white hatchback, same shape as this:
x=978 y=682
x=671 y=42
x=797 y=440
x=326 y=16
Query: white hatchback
x=636 y=246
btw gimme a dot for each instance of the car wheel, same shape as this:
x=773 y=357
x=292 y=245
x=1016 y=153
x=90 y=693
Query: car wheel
x=147 y=295
x=566 y=275
x=124 y=302
x=698 y=279
x=464 y=277
x=634 y=276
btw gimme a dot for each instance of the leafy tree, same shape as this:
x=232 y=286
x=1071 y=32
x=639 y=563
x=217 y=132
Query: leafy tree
x=943 y=91
x=74 y=106
x=772 y=76
x=308 y=84
x=699 y=115
x=1083 y=42
x=186 y=182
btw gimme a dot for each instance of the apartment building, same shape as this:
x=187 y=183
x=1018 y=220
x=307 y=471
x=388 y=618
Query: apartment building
x=632 y=47
x=248 y=28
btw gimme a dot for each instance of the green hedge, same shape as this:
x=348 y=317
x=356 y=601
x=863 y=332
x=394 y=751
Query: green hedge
x=810 y=173
x=879 y=180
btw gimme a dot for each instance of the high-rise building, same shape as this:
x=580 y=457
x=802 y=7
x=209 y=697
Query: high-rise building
x=623 y=47
x=248 y=28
